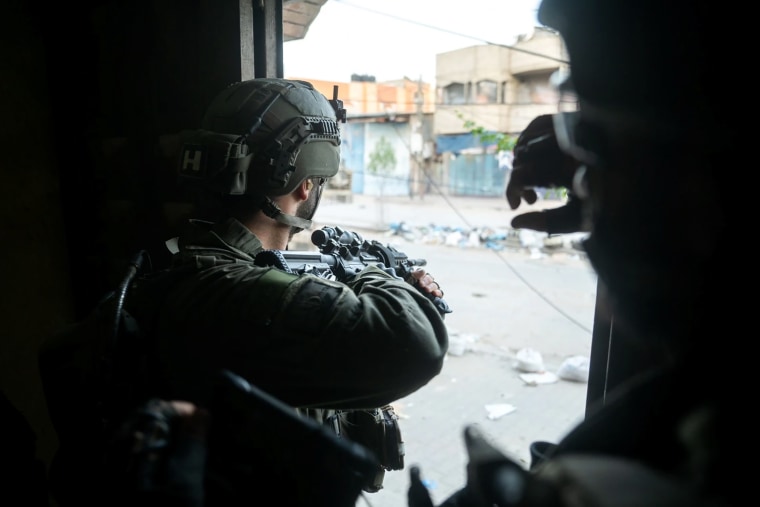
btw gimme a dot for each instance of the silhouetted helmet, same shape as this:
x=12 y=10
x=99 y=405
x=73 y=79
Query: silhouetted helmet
x=655 y=58
x=654 y=134
x=263 y=137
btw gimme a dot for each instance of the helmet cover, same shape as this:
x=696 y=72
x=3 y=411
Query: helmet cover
x=264 y=137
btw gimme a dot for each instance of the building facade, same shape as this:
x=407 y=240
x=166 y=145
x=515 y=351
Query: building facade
x=393 y=116
x=497 y=88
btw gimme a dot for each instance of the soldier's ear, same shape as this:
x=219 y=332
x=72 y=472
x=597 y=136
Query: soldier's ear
x=302 y=190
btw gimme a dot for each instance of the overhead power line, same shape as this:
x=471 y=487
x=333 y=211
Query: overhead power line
x=452 y=32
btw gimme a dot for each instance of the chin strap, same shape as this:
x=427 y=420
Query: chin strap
x=273 y=211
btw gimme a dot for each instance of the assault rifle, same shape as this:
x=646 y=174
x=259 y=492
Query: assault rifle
x=341 y=255
x=258 y=443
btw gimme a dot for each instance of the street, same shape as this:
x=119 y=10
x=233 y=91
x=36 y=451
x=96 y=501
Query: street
x=502 y=301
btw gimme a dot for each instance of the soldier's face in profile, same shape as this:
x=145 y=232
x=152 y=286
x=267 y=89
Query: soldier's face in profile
x=650 y=198
x=307 y=208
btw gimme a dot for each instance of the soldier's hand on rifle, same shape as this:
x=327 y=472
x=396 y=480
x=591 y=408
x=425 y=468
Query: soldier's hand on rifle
x=159 y=455
x=425 y=282
x=539 y=162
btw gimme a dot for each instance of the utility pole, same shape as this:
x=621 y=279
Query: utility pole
x=417 y=185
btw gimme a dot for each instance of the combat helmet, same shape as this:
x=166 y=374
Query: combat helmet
x=262 y=138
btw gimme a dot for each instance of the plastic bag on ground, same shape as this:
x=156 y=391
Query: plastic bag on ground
x=529 y=360
x=574 y=368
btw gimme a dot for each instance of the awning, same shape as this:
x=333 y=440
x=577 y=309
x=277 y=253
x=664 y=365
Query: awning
x=460 y=143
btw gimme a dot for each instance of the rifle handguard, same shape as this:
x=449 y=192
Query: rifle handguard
x=343 y=254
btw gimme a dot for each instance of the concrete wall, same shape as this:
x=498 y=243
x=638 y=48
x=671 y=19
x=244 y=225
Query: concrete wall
x=92 y=96
x=520 y=76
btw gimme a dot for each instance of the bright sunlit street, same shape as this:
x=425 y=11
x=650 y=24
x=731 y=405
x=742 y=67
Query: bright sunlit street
x=504 y=300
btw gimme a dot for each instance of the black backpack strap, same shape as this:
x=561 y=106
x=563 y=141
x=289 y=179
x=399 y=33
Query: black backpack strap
x=272 y=258
x=86 y=369
x=135 y=267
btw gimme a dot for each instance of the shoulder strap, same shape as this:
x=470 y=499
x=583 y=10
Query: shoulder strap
x=135 y=267
x=84 y=379
x=272 y=258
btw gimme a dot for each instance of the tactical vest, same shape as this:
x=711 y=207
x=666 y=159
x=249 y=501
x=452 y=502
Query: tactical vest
x=94 y=375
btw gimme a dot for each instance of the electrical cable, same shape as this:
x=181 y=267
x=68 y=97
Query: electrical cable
x=439 y=191
x=444 y=30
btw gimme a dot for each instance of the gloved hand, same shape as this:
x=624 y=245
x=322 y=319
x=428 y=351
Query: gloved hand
x=417 y=495
x=493 y=479
x=539 y=162
x=158 y=456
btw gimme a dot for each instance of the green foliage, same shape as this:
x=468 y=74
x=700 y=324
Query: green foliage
x=558 y=193
x=503 y=141
x=382 y=160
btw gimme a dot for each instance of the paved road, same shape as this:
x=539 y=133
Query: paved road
x=502 y=304
x=503 y=301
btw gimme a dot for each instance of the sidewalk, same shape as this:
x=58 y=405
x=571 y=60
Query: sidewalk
x=472 y=221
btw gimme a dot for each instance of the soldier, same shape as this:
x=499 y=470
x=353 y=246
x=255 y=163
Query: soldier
x=648 y=158
x=262 y=157
x=308 y=341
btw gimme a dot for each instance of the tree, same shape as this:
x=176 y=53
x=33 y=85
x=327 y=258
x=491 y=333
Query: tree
x=503 y=142
x=382 y=162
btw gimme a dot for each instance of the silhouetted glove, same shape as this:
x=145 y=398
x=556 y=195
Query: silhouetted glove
x=539 y=162
x=565 y=219
x=493 y=479
x=417 y=495
x=159 y=456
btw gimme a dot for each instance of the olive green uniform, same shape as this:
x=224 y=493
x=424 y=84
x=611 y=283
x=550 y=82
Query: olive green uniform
x=309 y=341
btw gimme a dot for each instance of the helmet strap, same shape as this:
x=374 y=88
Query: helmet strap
x=270 y=209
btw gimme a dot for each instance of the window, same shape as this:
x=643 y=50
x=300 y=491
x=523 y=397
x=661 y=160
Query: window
x=454 y=94
x=486 y=92
x=536 y=90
